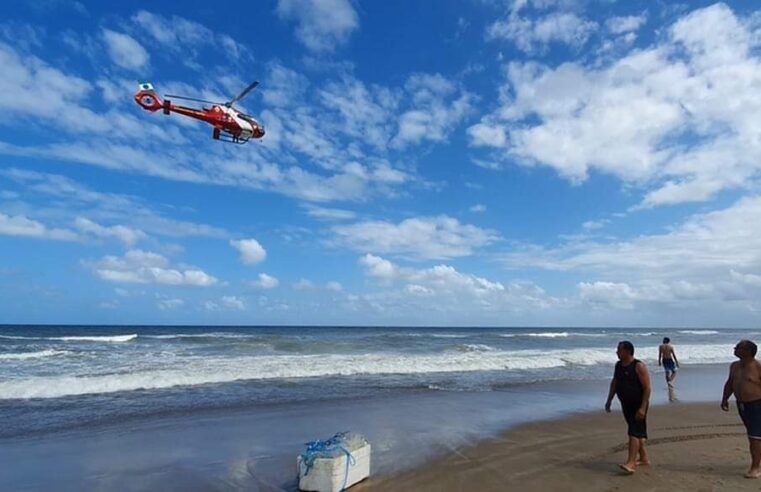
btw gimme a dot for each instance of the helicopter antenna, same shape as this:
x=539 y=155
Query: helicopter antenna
x=243 y=94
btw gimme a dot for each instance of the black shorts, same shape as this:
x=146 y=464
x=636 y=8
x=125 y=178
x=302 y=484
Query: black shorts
x=750 y=413
x=637 y=428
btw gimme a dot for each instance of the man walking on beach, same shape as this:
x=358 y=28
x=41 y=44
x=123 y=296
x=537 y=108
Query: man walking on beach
x=667 y=358
x=745 y=382
x=631 y=382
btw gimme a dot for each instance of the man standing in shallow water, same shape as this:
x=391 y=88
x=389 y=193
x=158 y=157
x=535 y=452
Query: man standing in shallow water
x=745 y=382
x=667 y=358
x=631 y=382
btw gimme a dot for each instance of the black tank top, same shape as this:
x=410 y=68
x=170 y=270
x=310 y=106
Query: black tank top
x=628 y=386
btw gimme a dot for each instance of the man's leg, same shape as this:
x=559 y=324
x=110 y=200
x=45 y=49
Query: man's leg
x=644 y=459
x=755 y=459
x=631 y=460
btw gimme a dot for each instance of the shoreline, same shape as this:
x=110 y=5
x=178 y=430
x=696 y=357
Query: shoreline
x=693 y=446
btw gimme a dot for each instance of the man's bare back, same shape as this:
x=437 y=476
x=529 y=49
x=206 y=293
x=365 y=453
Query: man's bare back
x=666 y=351
x=746 y=380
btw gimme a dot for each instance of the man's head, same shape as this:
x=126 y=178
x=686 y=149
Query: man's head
x=745 y=349
x=625 y=350
x=666 y=340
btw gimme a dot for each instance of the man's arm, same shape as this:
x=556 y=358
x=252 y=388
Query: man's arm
x=644 y=378
x=611 y=394
x=673 y=354
x=727 y=389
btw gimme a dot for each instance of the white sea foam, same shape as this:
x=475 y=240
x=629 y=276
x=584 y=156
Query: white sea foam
x=477 y=347
x=448 y=335
x=192 y=371
x=699 y=332
x=551 y=334
x=32 y=355
x=108 y=339
x=201 y=335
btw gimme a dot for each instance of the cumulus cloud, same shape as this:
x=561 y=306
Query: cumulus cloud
x=225 y=303
x=624 y=24
x=303 y=284
x=126 y=235
x=145 y=267
x=677 y=118
x=20 y=225
x=169 y=304
x=712 y=257
x=251 y=252
x=443 y=289
x=438 y=107
x=322 y=24
x=532 y=35
x=125 y=51
x=420 y=237
x=265 y=281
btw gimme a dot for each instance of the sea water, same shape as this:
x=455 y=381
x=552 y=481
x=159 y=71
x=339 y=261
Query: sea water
x=263 y=391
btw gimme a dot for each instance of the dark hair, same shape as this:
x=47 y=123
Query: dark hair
x=626 y=344
x=666 y=339
x=749 y=346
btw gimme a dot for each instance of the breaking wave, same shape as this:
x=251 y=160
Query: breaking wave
x=108 y=339
x=192 y=371
x=32 y=355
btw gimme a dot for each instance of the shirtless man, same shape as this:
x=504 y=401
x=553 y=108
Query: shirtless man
x=745 y=382
x=667 y=358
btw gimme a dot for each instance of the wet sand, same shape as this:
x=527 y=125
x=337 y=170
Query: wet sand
x=692 y=447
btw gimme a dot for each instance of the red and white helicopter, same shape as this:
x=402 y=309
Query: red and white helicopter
x=230 y=124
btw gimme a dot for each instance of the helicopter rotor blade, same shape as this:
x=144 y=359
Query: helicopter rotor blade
x=244 y=93
x=192 y=99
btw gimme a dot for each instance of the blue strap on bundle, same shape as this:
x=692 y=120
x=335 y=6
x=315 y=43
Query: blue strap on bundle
x=327 y=449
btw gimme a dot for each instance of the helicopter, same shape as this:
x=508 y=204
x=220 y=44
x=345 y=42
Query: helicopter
x=230 y=124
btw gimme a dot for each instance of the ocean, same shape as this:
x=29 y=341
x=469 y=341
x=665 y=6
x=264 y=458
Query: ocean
x=430 y=388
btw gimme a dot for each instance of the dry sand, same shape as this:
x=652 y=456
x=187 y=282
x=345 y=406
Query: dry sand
x=694 y=447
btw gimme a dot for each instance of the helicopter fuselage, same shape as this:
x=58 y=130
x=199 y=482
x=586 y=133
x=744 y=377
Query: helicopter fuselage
x=229 y=123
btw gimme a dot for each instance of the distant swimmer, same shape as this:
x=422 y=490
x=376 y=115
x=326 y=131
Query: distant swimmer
x=631 y=382
x=745 y=382
x=667 y=358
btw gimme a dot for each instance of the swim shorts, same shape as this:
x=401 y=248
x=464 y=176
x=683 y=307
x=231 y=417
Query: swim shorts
x=669 y=365
x=750 y=413
x=637 y=428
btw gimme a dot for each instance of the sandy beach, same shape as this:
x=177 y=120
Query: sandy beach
x=692 y=447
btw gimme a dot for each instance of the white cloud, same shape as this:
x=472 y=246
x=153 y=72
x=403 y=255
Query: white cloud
x=478 y=208
x=437 y=109
x=20 y=225
x=713 y=257
x=303 y=284
x=531 y=35
x=265 y=281
x=225 y=303
x=322 y=24
x=421 y=237
x=180 y=35
x=251 y=252
x=334 y=286
x=442 y=291
x=678 y=117
x=145 y=267
x=169 y=304
x=325 y=213
x=126 y=235
x=125 y=51
x=624 y=24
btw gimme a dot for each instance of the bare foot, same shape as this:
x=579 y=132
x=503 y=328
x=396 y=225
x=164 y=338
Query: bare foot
x=627 y=468
x=753 y=473
x=643 y=463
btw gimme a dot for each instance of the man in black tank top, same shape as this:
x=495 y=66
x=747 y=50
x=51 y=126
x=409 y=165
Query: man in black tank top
x=631 y=382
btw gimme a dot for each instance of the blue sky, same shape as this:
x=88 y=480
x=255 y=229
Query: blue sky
x=483 y=162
